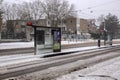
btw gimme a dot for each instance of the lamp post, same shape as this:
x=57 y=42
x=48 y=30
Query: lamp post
x=104 y=33
x=99 y=37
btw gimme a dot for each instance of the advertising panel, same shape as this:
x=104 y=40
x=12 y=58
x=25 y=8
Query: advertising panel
x=56 y=40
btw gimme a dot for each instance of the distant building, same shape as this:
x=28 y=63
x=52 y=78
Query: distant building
x=43 y=22
x=81 y=27
x=72 y=24
x=17 y=29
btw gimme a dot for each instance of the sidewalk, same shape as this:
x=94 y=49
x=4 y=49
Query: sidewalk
x=14 y=45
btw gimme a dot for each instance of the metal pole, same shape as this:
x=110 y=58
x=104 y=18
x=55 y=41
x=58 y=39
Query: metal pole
x=98 y=42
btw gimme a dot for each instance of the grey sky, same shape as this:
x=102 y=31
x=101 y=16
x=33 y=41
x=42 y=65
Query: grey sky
x=90 y=8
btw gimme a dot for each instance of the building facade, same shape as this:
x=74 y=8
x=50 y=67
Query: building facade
x=16 y=29
x=71 y=26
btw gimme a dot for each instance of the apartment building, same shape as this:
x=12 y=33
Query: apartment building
x=70 y=25
x=16 y=29
x=81 y=27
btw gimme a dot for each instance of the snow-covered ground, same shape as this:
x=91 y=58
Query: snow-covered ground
x=91 y=73
x=15 y=59
x=19 y=58
x=13 y=45
x=76 y=42
x=108 y=70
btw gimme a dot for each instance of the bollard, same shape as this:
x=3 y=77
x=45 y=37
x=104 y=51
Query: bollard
x=98 y=42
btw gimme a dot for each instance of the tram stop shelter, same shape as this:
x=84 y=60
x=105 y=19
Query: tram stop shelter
x=47 y=39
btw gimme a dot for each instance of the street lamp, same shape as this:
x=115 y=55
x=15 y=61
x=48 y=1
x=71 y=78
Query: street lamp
x=104 y=32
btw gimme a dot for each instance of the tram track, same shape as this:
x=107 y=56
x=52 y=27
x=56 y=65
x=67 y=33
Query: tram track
x=78 y=55
x=16 y=70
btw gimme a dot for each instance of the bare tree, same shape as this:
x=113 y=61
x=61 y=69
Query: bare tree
x=29 y=10
x=1 y=2
x=10 y=11
x=56 y=10
x=100 y=19
x=36 y=10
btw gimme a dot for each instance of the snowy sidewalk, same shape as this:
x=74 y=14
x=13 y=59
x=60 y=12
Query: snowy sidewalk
x=14 y=45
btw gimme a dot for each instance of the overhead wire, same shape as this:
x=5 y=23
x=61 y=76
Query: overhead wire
x=91 y=11
x=82 y=11
x=103 y=4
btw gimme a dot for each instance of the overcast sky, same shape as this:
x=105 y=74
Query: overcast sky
x=90 y=8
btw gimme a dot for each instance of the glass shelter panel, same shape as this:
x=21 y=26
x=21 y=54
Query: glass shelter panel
x=44 y=40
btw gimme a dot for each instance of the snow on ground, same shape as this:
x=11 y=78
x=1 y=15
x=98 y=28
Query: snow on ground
x=76 y=42
x=15 y=59
x=11 y=59
x=108 y=70
x=19 y=58
x=13 y=45
x=31 y=44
